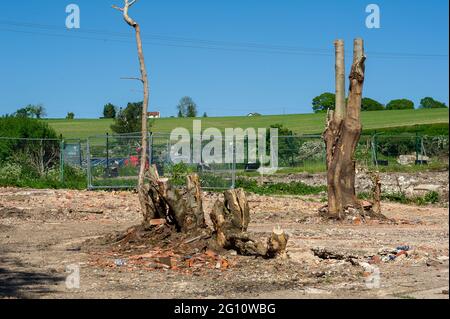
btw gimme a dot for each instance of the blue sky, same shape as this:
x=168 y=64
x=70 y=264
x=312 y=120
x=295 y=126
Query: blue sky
x=221 y=69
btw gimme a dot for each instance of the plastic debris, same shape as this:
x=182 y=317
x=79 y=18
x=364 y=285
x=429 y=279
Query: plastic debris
x=119 y=262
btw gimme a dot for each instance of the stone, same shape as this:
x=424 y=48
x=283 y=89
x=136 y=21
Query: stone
x=406 y=159
x=411 y=159
x=428 y=187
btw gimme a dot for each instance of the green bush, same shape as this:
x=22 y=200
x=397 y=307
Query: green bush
x=432 y=197
x=293 y=188
x=20 y=144
x=10 y=172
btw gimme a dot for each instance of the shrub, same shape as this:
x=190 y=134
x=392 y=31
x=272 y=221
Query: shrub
x=10 y=172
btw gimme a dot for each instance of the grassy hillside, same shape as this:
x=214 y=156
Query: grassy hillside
x=301 y=123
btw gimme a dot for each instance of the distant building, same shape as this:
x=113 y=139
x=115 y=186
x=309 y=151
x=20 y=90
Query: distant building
x=154 y=115
x=253 y=114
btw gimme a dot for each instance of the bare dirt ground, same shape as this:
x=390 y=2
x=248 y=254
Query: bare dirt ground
x=42 y=232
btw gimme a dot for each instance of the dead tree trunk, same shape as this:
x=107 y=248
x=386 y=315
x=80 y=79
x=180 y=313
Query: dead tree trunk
x=343 y=132
x=144 y=130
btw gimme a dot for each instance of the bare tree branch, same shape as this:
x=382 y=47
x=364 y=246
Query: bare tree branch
x=131 y=78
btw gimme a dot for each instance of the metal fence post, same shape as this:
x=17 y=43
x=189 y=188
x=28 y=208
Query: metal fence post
x=417 y=148
x=150 y=148
x=233 y=168
x=61 y=161
x=107 y=155
x=88 y=166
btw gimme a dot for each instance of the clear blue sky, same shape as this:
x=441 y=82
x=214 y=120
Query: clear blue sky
x=79 y=71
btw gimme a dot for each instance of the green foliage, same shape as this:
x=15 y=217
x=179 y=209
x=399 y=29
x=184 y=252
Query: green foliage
x=324 y=102
x=430 y=103
x=399 y=197
x=369 y=104
x=70 y=116
x=293 y=188
x=21 y=128
x=432 y=197
x=128 y=120
x=178 y=173
x=187 y=107
x=10 y=171
x=16 y=176
x=288 y=145
x=109 y=111
x=205 y=115
x=401 y=104
x=424 y=129
x=36 y=111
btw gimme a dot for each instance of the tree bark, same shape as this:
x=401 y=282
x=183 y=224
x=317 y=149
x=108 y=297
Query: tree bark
x=230 y=222
x=342 y=134
x=146 y=211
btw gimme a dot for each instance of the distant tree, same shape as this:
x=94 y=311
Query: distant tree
x=128 y=120
x=109 y=111
x=205 y=115
x=430 y=103
x=324 y=102
x=187 y=107
x=70 y=116
x=369 y=104
x=23 y=113
x=36 y=111
x=401 y=104
x=191 y=111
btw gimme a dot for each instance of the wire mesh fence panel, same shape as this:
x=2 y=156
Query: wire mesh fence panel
x=74 y=152
x=181 y=155
x=436 y=148
x=113 y=161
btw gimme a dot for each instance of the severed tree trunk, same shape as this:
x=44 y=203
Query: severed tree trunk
x=230 y=220
x=144 y=130
x=343 y=132
x=182 y=208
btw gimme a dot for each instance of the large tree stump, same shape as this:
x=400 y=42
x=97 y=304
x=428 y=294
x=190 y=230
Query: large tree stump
x=183 y=209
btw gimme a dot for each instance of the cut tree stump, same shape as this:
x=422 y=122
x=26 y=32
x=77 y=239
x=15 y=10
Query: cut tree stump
x=230 y=221
x=182 y=209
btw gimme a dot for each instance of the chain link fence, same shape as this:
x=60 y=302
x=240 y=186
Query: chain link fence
x=113 y=161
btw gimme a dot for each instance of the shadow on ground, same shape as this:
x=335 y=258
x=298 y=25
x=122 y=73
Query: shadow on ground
x=19 y=281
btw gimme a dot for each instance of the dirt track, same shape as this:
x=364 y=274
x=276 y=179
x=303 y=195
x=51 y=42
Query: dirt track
x=41 y=232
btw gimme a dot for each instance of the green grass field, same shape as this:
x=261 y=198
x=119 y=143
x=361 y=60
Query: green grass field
x=299 y=123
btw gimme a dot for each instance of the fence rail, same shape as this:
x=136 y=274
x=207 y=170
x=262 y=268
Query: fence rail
x=113 y=161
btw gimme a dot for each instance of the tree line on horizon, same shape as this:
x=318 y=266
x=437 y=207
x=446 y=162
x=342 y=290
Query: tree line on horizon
x=327 y=101
x=128 y=119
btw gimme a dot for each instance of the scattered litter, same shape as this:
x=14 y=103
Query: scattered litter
x=119 y=262
x=390 y=254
